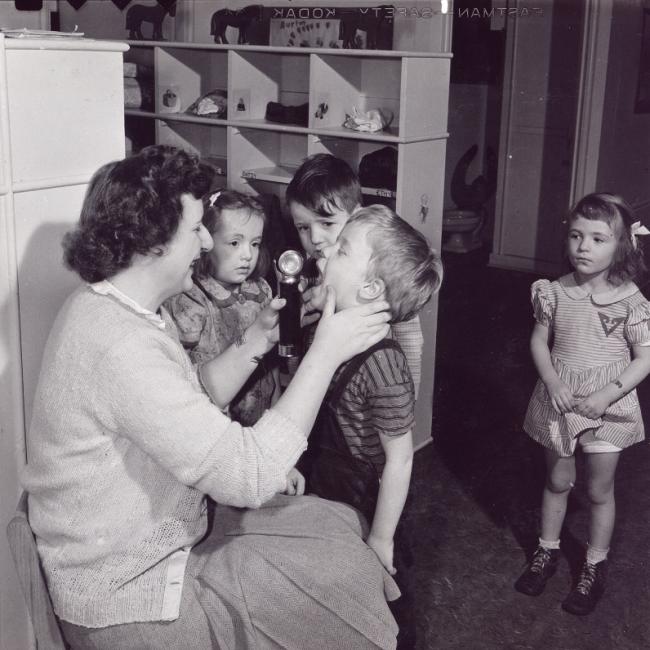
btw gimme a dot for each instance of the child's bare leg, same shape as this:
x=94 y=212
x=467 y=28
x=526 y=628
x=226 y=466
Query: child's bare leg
x=589 y=588
x=601 y=472
x=560 y=477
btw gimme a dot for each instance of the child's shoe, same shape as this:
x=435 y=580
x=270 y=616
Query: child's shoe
x=542 y=566
x=590 y=587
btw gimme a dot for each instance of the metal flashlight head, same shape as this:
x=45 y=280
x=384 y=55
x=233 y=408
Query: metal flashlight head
x=289 y=265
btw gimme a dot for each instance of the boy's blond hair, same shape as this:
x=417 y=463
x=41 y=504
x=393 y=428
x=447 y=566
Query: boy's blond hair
x=402 y=258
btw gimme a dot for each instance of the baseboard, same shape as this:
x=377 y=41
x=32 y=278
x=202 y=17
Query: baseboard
x=423 y=444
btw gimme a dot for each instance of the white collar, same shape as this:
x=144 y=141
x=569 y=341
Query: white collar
x=106 y=288
x=576 y=292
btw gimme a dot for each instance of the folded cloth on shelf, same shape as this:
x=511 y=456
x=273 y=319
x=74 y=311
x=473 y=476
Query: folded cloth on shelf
x=137 y=70
x=213 y=104
x=375 y=119
x=138 y=93
x=298 y=115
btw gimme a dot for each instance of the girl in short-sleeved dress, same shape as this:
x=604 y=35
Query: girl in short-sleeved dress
x=591 y=348
x=228 y=294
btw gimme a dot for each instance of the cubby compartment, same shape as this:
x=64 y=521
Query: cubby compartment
x=406 y=90
x=185 y=75
x=261 y=156
x=343 y=83
x=353 y=151
x=258 y=78
x=139 y=132
x=207 y=141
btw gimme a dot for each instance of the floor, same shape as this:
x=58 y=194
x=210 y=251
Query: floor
x=473 y=509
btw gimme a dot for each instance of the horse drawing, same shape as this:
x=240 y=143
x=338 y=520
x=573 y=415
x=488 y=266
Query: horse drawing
x=240 y=18
x=138 y=14
x=366 y=20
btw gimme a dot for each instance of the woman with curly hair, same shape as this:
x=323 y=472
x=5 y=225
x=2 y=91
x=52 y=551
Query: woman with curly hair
x=127 y=449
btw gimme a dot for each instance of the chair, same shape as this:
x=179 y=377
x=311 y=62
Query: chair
x=28 y=567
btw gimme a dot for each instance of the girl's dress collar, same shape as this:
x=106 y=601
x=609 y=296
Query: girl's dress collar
x=576 y=292
x=224 y=297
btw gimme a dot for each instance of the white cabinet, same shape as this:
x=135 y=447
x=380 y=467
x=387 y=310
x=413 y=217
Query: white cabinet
x=257 y=155
x=61 y=117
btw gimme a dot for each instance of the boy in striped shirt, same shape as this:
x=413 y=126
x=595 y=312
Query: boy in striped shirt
x=361 y=449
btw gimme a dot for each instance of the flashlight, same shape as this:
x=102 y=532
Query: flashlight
x=289 y=265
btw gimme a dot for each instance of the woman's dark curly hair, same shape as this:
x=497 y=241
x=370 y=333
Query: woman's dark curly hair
x=629 y=264
x=133 y=206
x=214 y=206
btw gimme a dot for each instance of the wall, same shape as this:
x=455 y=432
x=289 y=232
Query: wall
x=624 y=162
x=423 y=28
x=15 y=630
x=11 y=18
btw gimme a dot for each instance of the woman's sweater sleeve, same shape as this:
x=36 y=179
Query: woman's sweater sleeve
x=147 y=394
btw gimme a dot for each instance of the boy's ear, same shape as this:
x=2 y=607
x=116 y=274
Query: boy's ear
x=372 y=289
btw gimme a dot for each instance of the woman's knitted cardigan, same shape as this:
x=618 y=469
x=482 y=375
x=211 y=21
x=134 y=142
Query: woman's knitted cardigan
x=123 y=447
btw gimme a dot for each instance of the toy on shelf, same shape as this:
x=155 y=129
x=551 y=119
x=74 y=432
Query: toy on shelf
x=138 y=14
x=240 y=18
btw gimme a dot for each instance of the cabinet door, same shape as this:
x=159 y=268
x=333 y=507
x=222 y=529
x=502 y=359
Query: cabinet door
x=540 y=97
x=42 y=218
x=66 y=113
x=65 y=108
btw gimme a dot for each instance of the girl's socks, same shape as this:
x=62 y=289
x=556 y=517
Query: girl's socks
x=596 y=555
x=551 y=545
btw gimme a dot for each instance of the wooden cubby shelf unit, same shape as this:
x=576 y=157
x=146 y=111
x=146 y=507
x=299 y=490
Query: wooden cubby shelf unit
x=260 y=156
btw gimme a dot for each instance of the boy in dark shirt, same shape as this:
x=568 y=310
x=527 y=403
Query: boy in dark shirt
x=361 y=449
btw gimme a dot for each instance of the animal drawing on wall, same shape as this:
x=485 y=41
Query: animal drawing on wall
x=154 y=14
x=365 y=20
x=240 y=19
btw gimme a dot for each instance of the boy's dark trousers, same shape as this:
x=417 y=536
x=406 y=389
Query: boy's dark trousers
x=332 y=472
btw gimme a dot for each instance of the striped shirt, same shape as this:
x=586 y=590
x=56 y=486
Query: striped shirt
x=408 y=334
x=378 y=399
x=592 y=338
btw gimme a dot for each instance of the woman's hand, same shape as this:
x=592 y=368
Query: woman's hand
x=350 y=331
x=384 y=551
x=265 y=327
x=593 y=406
x=295 y=483
x=561 y=396
x=313 y=303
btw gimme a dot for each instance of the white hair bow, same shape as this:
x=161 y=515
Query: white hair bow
x=215 y=196
x=637 y=229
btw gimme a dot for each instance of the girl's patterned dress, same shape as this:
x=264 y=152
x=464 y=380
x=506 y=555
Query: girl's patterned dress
x=591 y=340
x=210 y=318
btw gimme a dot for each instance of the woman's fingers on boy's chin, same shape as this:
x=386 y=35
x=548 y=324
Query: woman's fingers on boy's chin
x=330 y=301
x=375 y=307
x=377 y=334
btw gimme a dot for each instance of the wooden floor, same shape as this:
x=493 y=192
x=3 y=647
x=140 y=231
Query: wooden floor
x=473 y=510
